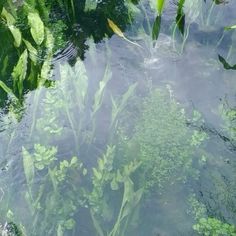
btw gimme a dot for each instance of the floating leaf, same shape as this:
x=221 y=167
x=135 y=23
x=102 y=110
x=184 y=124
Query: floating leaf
x=36 y=27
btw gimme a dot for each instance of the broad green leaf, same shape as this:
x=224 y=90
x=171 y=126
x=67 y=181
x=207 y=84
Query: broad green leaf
x=8 y=17
x=10 y=20
x=36 y=27
x=19 y=72
x=16 y=35
x=160 y=6
x=28 y=165
x=32 y=51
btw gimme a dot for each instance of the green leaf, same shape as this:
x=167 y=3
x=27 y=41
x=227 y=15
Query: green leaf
x=28 y=164
x=156 y=28
x=10 y=24
x=69 y=224
x=6 y=89
x=16 y=35
x=180 y=17
x=96 y=224
x=100 y=92
x=160 y=6
x=117 y=108
x=9 y=17
x=49 y=41
x=19 y=72
x=90 y=5
x=114 y=184
x=53 y=179
x=230 y=27
x=36 y=27
x=74 y=160
x=60 y=230
x=45 y=70
x=32 y=51
x=80 y=79
x=97 y=174
x=85 y=172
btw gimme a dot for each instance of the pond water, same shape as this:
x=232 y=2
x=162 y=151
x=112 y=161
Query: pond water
x=110 y=127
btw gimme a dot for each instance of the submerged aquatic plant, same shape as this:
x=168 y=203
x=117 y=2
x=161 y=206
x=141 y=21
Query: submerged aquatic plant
x=106 y=181
x=166 y=146
x=214 y=227
x=48 y=207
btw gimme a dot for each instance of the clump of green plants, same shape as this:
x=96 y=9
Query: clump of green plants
x=113 y=199
x=10 y=229
x=50 y=197
x=228 y=115
x=164 y=143
x=214 y=227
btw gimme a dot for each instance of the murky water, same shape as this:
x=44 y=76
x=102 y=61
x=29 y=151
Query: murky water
x=125 y=139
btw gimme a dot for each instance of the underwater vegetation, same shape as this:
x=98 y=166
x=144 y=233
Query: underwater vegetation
x=89 y=146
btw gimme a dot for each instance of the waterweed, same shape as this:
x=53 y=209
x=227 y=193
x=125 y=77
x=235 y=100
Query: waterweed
x=164 y=143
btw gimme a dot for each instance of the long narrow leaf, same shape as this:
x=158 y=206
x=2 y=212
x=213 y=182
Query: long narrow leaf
x=156 y=28
x=28 y=166
x=100 y=92
x=6 y=89
x=160 y=6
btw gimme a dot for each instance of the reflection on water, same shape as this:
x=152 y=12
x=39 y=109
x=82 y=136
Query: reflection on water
x=125 y=140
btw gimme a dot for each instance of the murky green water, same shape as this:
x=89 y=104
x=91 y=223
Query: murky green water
x=109 y=128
